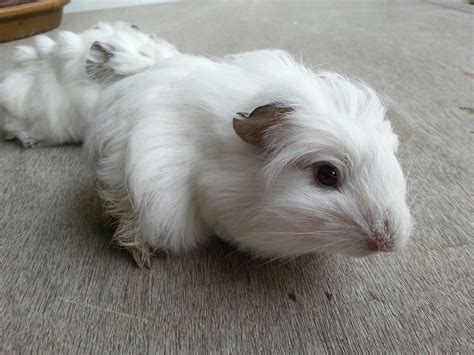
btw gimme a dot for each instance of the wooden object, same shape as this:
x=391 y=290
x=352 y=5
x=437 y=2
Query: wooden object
x=25 y=20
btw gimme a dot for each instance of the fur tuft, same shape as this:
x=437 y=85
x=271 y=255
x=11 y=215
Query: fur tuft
x=24 y=54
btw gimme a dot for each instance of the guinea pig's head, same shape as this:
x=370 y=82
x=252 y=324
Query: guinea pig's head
x=120 y=49
x=332 y=179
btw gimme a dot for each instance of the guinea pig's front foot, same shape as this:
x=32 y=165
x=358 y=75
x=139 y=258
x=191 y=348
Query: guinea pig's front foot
x=26 y=141
x=142 y=256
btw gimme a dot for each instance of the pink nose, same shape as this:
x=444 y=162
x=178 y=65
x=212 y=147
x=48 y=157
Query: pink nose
x=381 y=239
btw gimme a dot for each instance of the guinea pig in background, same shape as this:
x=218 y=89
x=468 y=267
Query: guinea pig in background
x=272 y=157
x=48 y=95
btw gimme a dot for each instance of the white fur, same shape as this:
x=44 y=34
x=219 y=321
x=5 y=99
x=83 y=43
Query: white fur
x=47 y=97
x=173 y=171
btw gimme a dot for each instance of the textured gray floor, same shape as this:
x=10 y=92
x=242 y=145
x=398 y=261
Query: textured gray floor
x=66 y=288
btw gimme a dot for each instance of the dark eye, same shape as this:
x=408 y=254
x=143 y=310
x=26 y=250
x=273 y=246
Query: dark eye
x=326 y=174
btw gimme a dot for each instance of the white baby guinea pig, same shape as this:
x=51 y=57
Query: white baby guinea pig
x=48 y=95
x=256 y=148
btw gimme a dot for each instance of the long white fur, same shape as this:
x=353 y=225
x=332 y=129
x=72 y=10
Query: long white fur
x=173 y=171
x=47 y=97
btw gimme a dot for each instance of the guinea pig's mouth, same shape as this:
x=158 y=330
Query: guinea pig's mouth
x=360 y=252
x=360 y=242
x=369 y=246
x=375 y=245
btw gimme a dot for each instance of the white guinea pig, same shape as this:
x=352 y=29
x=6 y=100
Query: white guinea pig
x=47 y=97
x=256 y=148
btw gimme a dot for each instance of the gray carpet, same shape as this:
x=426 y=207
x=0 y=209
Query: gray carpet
x=66 y=288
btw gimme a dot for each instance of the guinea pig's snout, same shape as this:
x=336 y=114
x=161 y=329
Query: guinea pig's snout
x=382 y=239
x=378 y=245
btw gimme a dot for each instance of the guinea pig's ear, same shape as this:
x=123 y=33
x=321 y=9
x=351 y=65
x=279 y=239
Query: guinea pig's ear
x=252 y=127
x=96 y=65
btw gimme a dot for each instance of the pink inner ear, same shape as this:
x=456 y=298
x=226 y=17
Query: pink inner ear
x=252 y=128
x=272 y=110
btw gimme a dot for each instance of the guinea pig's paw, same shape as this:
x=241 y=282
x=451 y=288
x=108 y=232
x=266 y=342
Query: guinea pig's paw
x=142 y=256
x=26 y=141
